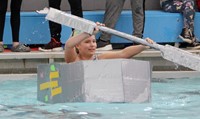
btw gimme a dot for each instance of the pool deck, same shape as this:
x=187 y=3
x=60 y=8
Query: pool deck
x=12 y=62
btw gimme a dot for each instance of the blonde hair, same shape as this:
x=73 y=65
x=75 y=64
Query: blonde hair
x=75 y=33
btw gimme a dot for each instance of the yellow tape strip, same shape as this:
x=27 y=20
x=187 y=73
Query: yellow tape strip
x=54 y=75
x=46 y=85
x=56 y=91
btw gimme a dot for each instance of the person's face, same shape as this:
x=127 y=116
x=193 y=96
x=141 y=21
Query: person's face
x=88 y=46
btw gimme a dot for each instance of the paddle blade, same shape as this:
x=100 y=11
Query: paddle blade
x=181 y=57
x=70 y=20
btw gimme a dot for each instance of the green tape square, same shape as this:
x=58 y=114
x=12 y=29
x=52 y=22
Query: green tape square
x=53 y=68
x=46 y=98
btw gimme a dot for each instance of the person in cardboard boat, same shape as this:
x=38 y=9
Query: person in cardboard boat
x=82 y=46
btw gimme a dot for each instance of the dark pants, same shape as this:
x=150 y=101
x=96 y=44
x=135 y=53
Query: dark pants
x=15 y=7
x=76 y=9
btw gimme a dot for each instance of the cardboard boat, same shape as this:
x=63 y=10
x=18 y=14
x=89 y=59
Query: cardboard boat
x=114 y=80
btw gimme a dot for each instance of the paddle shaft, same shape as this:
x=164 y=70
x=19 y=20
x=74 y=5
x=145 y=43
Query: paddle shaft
x=129 y=37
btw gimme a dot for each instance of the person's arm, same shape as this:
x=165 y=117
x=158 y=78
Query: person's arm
x=70 y=50
x=126 y=52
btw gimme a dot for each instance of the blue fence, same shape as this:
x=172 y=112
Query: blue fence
x=161 y=26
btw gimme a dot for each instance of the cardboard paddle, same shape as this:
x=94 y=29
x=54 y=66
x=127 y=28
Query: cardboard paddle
x=168 y=52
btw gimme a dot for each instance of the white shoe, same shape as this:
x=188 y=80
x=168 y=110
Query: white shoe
x=43 y=11
x=58 y=49
x=187 y=40
x=107 y=47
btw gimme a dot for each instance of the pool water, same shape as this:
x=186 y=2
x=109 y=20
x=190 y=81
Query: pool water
x=171 y=99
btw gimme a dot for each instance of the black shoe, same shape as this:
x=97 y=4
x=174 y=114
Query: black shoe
x=187 y=35
x=103 y=45
x=53 y=45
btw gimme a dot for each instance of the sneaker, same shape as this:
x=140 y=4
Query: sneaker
x=186 y=35
x=103 y=45
x=20 y=48
x=53 y=45
x=1 y=48
x=43 y=11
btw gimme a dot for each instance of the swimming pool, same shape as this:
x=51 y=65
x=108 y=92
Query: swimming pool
x=171 y=99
